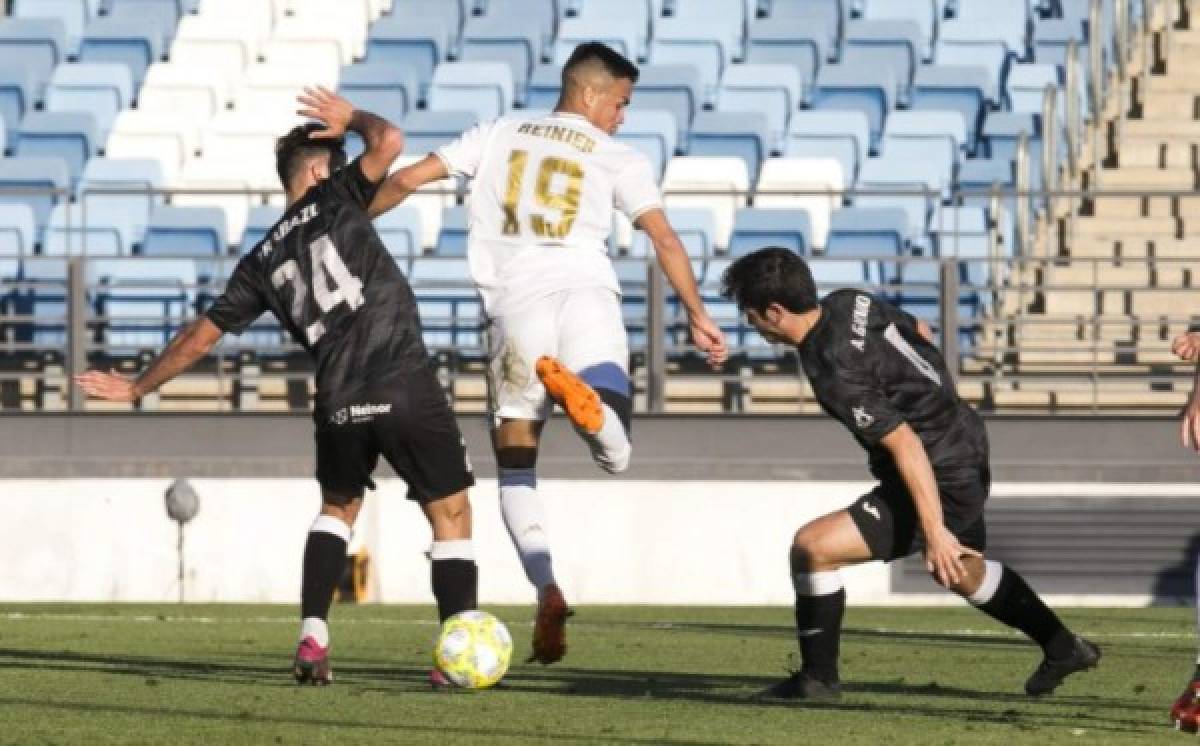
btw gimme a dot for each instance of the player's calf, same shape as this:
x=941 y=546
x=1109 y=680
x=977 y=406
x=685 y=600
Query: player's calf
x=597 y=401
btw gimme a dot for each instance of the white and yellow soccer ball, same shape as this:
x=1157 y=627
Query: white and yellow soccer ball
x=473 y=649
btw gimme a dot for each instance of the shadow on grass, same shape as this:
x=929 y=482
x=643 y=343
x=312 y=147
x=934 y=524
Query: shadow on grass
x=930 y=700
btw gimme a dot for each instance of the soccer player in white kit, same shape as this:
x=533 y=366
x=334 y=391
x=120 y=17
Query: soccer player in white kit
x=540 y=214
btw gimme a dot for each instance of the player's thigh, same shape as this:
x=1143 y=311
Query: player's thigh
x=886 y=519
x=591 y=332
x=829 y=542
x=516 y=339
x=420 y=438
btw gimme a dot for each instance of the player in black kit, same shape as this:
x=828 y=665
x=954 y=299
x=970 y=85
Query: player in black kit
x=323 y=271
x=874 y=368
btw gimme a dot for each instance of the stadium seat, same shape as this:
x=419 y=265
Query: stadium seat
x=39 y=44
x=144 y=301
x=321 y=30
x=451 y=15
x=160 y=17
x=17 y=91
x=544 y=87
x=249 y=139
x=419 y=44
x=924 y=13
x=196 y=91
x=185 y=231
x=1007 y=22
x=119 y=40
x=129 y=213
x=831 y=13
x=965 y=43
x=73 y=232
x=742 y=134
x=695 y=227
x=426 y=131
x=706 y=42
x=913 y=186
x=452 y=239
x=833 y=274
x=676 y=88
x=447 y=302
x=539 y=15
x=624 y=31
x=868 y=232
x=857 y=88
x=390 y=92
x=653 y=132
x=70 y=136
x=757 y=227
x=773 y=90
x=211 y=174
x=506 y=39
x=963 y=232
x=894 y=46
x=1001 y=132
x=100 y=89
x=430 y=200
x=958 y=88
x=721 y=183
x=401 y=232
x=842 y=135
x=73 y=14
x=213 y=42
x=1026 y=86
x=255 y=20
x=270 y=90
x=163 y=136
x=484 y=88
x=18 y=235
x=821 y=179
x=259 y=221
x=801 y=41
x=978 y=176
x=937 y=136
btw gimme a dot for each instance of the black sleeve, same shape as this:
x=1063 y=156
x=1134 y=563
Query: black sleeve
x=349 y=183
x=242 y=302
x=856 y=398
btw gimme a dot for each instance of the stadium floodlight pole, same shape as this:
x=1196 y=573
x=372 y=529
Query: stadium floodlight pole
x=182 y=505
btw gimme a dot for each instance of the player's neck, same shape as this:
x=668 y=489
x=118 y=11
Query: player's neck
x=798 y=326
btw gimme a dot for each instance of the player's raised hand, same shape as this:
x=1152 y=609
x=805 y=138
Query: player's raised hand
x=943 y=557
x=1187 y=346
x=111 y=386
x=332 y=110
x=1189 y=424
x=707 y=337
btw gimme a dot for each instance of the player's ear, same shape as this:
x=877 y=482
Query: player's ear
x=774 y=314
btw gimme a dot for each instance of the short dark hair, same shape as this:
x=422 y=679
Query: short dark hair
x=296 y=147
x=597 y=53
x=770 y=275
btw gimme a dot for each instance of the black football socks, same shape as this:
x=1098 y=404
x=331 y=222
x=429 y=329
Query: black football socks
x=454 y=576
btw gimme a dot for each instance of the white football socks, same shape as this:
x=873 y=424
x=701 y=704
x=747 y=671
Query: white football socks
x=525 y=520
x=610 y=447
x=316 y=628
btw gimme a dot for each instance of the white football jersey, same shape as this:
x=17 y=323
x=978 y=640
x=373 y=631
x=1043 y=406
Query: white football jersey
x=541 y=207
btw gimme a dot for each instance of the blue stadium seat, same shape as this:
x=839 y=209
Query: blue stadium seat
x=1026 y=86
x=126 y=41
x=70 y=136
x=676 y=88
x=801 y=41
x=17 y=91
x=870 y=232
x=894 y=46
x=450 y=15
x=834 y=274
x=914 y=186
x=963 y=232
x=857 y=88
x=43 y=174
x=965 y=43
x=452 y=240
x=741 y=134
x=259 y=221
x=447 y=302
x=417 y=43
x=72 y=13
x=842 y=135
x=926 y=135
x=696 y=228
x=508 y=39
x=1003 y=129
x=161 y=17
x=185 y=231
x=426 y=131
x=74 y=232
x=130 y=213
x=978 y=176
x=102 y=89
x=400 y=229
x=622 y=24
x=538 y=15
x=958 y=88
x=707 y=42
x=38 y=43
x=387 y=90
x=924 y=13
x=485 y=88
x=830 y=13
x=773 y=90
x=653 y=132
x=18 y=234
x=755 y=228
x=544 y=87
x=1006 y=21
x=144 y=301
x=3 y=138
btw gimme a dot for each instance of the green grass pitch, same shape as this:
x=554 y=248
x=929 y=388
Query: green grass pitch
x=87 y=674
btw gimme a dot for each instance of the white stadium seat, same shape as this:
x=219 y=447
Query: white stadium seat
x=720 y=175
x=781 y=175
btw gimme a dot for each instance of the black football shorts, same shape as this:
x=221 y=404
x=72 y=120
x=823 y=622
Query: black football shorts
x=410 y=424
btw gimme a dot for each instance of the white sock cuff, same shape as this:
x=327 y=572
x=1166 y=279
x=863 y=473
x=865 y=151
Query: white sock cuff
x=816 y=583
x=460 y=549
x=332 y=525
x=316 y=628
x=992 y=572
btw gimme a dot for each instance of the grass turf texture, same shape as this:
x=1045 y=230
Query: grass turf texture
x=221 y=674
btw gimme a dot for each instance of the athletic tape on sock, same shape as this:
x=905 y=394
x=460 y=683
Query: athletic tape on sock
x=816 y=583
x=517 y=477
x=992 y=573
x=461 y=549
x=607 y=376
x=332 y=525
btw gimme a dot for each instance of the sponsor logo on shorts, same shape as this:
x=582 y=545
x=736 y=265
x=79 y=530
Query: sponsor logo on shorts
x=359 y=413
x=862 y=418
x=871 y=510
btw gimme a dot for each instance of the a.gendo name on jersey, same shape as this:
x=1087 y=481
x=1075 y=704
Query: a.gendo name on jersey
x=858 y=322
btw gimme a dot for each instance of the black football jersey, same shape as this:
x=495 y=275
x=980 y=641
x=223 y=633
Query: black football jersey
x=323 y=271
x=871 y=369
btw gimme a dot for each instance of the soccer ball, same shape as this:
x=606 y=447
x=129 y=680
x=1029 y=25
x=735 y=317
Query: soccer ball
x=473 y=649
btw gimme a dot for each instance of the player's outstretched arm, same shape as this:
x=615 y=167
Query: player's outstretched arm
x=406 y=181
x=185 y=348
x=673 y=258
x=943 y=553
x=383 y=140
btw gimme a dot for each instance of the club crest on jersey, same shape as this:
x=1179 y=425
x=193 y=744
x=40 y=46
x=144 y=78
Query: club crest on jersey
x=862 y=418
x=858 y=322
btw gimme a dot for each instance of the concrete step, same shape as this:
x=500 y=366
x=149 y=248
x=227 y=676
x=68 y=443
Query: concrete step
x=1165 y=226
x=1130 y=207
x=1155 y=153
x=1169 y=127
x=1147 y=178
x=1180 y=104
